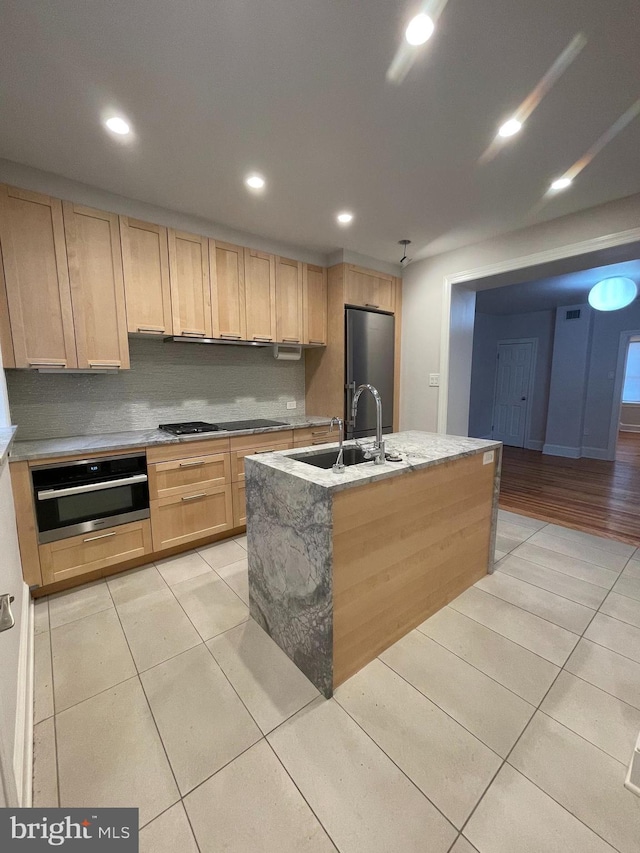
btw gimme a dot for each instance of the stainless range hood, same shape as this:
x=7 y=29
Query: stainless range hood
x=193 y=339
x=189 y=339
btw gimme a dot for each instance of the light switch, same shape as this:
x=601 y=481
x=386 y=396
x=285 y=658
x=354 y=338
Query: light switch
x=292 y=404
x=434 y=380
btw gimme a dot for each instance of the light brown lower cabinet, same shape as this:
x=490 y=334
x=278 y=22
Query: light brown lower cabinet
x=182 y=476
x=314 y=435
x=178 y=519
x=239 y=504
x=80 y=555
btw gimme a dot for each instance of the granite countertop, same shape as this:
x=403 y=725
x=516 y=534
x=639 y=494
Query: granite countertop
x=6 y=440
x=45 y=448
x=418 y=450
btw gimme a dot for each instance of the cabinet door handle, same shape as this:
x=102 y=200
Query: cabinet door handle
x=194 y=497
x=156 y=330
x=370 y=305
x=47 y=364
x=262 y=338
x=266 y=450
x=105 y=363
x=292 y=340
x=102 y=536
x=192 y=333
x=231 y=337
x=191 y=464
x=311 y=341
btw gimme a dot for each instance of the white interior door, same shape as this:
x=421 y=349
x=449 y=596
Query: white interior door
x=512 y=392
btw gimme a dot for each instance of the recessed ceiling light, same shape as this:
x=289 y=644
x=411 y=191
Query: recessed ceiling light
x=344 y=218
x=419 y=30
x=255 y=182
x=561 y=183
x=118 y=125
x=510 y=128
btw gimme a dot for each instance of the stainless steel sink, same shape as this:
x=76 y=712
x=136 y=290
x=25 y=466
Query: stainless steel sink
x=326 y=458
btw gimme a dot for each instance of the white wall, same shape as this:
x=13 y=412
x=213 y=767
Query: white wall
x=607 y=327
x=488 y=330
x=422 y=311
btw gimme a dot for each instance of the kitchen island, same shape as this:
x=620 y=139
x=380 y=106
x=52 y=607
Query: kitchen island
x=343 y=564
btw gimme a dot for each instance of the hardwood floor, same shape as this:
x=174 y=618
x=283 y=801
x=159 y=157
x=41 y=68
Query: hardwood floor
x=586 y=494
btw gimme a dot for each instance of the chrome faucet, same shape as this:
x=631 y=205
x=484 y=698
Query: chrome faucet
x=377 y=451
x=338 y=465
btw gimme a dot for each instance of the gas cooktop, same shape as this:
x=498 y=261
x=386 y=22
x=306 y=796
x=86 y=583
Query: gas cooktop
x=195 y=427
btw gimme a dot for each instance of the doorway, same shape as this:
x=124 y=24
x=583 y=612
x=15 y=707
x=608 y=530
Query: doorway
x=512 y=394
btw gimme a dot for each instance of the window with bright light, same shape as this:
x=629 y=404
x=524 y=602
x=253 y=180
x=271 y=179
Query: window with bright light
x=631 y=389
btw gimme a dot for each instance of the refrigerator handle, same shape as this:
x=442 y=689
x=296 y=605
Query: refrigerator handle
x=350 y=387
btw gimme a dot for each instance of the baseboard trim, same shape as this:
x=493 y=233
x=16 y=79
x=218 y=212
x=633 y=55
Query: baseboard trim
x=23 y=738
x=534 y=444
x=560 y=450
x=629 y=427
x=598 y=453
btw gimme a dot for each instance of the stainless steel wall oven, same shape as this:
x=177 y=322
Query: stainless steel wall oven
x=72 y=498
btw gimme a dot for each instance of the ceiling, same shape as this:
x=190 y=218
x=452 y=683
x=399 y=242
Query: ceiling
x=547 y=293
x=296 y=89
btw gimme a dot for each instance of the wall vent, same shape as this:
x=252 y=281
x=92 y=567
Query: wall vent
x=574 y=314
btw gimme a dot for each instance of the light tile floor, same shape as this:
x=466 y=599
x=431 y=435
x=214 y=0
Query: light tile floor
x=503 y=724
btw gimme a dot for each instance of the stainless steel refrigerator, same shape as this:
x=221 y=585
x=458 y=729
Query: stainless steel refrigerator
x=369 y=353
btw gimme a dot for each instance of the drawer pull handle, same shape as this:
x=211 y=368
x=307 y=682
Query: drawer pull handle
x=194 y=497
x=191 y=464
x=102 y=536
x=47 y=364
x=321 y=432
x=267 y=450
x=231 y=337
x=370 y=305
x=262 y=338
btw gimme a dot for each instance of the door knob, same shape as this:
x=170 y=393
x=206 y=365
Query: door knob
x=6 y=616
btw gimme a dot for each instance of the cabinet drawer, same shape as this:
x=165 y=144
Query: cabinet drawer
x=184 y=518
x=182 y=476
x=237 y=457
x=79 y=555
x=315 y=435
x=187 y=449
x=239 y=504
x=265 y=439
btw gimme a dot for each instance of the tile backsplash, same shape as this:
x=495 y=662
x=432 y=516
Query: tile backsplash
x=167 y=382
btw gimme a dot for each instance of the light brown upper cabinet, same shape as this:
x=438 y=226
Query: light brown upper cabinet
x=190 y=289
x=226 y=270
x=369 y=289
x=289 y=317
x=6 y=340
x=314 y=289
x=145 y=263
x=37 y=279
x=260 y=288
x=97 y=286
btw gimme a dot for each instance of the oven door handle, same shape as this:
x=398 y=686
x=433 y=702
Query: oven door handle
x=50 y=494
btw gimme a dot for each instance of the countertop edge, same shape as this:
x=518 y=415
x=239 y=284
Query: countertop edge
x=27 y=451
x=7 y=435
x=308 y=473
